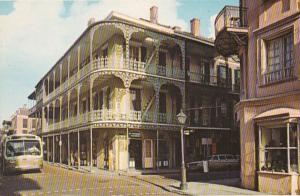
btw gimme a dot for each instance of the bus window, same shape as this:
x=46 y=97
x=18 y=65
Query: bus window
x=23 y=147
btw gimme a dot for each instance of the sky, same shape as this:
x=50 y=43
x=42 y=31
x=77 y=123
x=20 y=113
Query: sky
x=34 y=34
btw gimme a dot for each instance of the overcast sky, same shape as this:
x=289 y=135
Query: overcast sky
x=35 y=34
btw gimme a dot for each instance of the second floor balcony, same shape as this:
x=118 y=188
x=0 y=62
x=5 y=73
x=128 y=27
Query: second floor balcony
x=111 y=116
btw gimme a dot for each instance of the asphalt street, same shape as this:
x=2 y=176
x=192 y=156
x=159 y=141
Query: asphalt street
x=58 y=181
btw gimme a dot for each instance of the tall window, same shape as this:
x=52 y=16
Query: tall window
x=222 y=75
x=105 y=52
x=143 y=54
x=237 y=79
x=136 y=99
x=286 y=5
x=162 y=58
x=134 y=53
x=25 y=123
x=278 y=148
x=280 y=60
x=162 y=103
x=34 y=123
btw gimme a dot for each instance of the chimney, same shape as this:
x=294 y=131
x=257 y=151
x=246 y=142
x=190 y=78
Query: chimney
x=195 y=27
x=153 y=14
x=91 y=21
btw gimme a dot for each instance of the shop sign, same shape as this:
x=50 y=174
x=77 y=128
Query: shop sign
x=134 y=134
x=206 y=141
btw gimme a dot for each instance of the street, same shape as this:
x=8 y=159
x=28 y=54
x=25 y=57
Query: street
x=58 y=181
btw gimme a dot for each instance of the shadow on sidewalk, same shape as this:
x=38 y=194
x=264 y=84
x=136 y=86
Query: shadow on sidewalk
x=14 y=184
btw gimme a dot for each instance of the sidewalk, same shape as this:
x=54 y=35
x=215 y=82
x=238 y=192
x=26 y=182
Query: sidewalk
x=213 y=187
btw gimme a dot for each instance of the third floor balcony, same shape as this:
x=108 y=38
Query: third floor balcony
x=115 y=64
x=231 y=28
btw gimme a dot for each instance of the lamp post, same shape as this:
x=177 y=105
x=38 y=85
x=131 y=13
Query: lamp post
x=181 y=119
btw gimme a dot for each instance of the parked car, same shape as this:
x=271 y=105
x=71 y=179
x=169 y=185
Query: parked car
x=216 y=162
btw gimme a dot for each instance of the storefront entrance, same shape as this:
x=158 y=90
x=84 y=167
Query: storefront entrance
x=135 y=153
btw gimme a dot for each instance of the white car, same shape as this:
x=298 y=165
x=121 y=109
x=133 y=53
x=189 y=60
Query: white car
x=216 y=162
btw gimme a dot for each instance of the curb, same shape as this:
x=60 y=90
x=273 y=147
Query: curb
x=171 y=190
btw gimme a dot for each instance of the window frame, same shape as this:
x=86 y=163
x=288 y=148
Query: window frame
x=283 y=72
x=23 y=124
x=262 y=149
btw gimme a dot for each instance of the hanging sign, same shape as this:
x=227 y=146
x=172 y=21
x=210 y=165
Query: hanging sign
x=134 y=134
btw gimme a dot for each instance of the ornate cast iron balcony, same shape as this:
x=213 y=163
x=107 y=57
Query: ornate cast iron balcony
x=231 y=30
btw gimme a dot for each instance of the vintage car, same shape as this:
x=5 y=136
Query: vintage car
x=216 y=162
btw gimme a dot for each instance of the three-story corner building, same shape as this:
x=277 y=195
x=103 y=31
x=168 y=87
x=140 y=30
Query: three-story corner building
x=111 y=100
x=266 y=35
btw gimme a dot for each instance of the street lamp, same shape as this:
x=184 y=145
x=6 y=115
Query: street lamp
x=181 y=119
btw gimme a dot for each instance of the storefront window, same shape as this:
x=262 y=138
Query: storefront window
x=278 y=149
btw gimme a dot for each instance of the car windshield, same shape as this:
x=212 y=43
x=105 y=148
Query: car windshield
x=222 y=157
x=23 y=147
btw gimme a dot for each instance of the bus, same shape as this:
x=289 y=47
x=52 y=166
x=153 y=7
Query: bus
x=21 y=152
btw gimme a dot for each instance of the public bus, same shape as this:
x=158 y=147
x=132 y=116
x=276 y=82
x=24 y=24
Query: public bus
x=21 y=152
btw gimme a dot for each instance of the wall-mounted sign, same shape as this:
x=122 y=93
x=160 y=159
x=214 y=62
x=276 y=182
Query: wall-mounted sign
x=134 y=134
x=206 y=141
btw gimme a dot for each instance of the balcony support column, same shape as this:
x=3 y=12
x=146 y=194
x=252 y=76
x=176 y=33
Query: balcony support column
x=48 y=90
x=60 y=74
x=91 y=95
x=182 y=91
x=127 y=32
x=43 y=117
x=53 y=113
x=156 y=106
x=69 y=156
x=78 y=148
x=127 y=39
x=92 y=32
x=60 y=143
x=48 y=148
x=127 y=103
x=78 y=100
x=54 y=85
x=104 y=99
x=68 y=64
x=91 y=148
x=156 y=61
x=48 y=116
x=60 y=110
x=78 y=59
x=182 y=48
x=53 y=149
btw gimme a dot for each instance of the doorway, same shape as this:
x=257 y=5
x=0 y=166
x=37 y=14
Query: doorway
x=135 y=154
x=177 y=152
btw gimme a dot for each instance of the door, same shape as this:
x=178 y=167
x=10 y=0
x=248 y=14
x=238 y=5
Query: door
x=148 y=153
x=135 y=153
x=206 y=73
x=106 y=153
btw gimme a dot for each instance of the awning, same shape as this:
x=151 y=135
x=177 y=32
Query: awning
x=278 y=113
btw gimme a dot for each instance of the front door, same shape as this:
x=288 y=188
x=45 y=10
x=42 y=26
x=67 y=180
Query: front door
x=106 y=153
x=135 y=153
x=148 y=153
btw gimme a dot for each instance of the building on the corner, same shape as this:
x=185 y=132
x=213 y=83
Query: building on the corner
x=22 y=123
x=111 y=100
x=5 y=129
x=266 y=36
